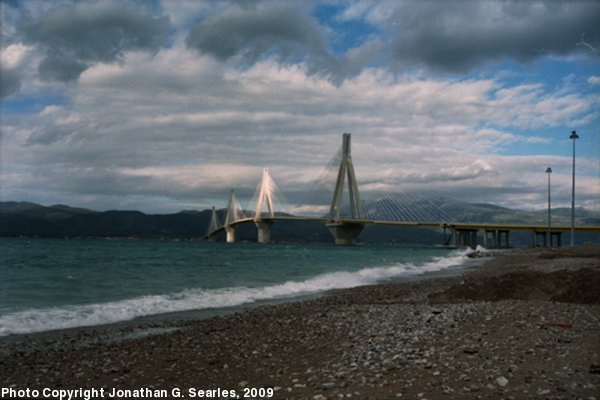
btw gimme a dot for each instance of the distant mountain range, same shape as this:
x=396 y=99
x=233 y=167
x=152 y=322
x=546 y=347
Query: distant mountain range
x=490 y=213
x=61 y=221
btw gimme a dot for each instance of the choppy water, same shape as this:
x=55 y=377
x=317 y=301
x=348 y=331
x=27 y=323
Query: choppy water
x=54 y=284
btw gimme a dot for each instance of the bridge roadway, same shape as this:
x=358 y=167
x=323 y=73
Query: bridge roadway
x=462 y=234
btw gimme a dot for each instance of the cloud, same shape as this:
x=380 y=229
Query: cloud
x=155 y=119
x=13 y=59
x=250 y=34
x=450 y=36
x=72 y=38
x=212 y=128
x=594 y=80
x=457 y=36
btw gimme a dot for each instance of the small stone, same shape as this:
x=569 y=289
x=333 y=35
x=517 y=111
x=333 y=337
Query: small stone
x=328 y=385
x=502 y=381
x=319 y=397
x=243 y=384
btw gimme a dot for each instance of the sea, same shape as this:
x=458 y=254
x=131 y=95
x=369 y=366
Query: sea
x=49 y=284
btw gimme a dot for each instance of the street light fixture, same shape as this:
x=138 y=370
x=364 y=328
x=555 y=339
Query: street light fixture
x=573 y=136
x=549 y=171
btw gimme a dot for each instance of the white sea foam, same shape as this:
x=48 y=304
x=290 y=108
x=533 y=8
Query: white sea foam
x=45 y=319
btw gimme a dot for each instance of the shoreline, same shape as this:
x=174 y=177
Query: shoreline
x=205 y=313
x=494 y=331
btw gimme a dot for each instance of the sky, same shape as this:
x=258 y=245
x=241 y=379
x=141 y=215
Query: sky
x=166 y=105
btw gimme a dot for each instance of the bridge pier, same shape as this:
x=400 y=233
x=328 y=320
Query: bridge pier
x=486 y=238
x=547 y=239
x=492 y=238
x=230 y=230
x=506 y=234
x=558 y=238
x=464 y=237
x=345 y=233
x=264 y=230
x=537 y=234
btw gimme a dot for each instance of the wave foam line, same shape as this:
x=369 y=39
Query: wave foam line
x=46 y=319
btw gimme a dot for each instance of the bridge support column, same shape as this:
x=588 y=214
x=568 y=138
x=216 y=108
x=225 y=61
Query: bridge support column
x=543 y=235
x=264 y=231
x=473 y=238
x=486 y=238
x=535 y=239
x=230 y=230
x=345 y=233
x=547 y=238
x=558 y=238
x=506 y=234
x=464 y=237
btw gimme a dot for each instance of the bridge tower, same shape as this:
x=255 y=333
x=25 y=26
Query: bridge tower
x=345 y=231
x=231 y=217
x=265 y=197
x=213 y=224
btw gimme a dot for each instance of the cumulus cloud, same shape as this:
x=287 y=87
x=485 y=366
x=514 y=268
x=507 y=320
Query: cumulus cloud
x=74 y=37
x=154 y=125
x=450 y=36
x=594 y=80
x=458 y=36
x=214 y=128
x=279 y=30
x=13 y=59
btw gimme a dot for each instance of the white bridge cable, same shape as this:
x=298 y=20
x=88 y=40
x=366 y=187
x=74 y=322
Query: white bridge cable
x=317 y=200
x=214 y=223
x=271 y=198
x=402 y=206
x=235 y=212
x=385 y=206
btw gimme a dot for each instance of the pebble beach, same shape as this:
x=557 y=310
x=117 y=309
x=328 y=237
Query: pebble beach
x=521 y=324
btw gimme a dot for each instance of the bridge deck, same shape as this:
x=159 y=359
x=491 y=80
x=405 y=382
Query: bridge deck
x=431 y=224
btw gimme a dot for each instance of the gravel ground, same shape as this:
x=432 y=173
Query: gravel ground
x=525 y=324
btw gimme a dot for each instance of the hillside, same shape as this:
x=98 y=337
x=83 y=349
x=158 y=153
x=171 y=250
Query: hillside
x=61 y=221
x=28 y=219
x=490 y=213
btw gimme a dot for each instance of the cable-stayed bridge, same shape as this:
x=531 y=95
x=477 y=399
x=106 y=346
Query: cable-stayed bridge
x=340 y=207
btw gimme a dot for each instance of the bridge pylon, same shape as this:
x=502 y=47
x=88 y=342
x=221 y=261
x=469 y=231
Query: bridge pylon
x=232 y=215
x=265 y=198
x=213 y=225
x=343 y=229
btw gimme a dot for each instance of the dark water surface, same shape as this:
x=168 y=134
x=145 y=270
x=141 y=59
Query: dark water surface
x=52 y=284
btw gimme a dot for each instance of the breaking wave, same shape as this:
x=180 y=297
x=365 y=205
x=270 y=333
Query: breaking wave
x=45 y=319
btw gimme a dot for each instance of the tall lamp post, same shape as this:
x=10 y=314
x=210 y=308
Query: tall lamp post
x=573 y=136
x=549 y=171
